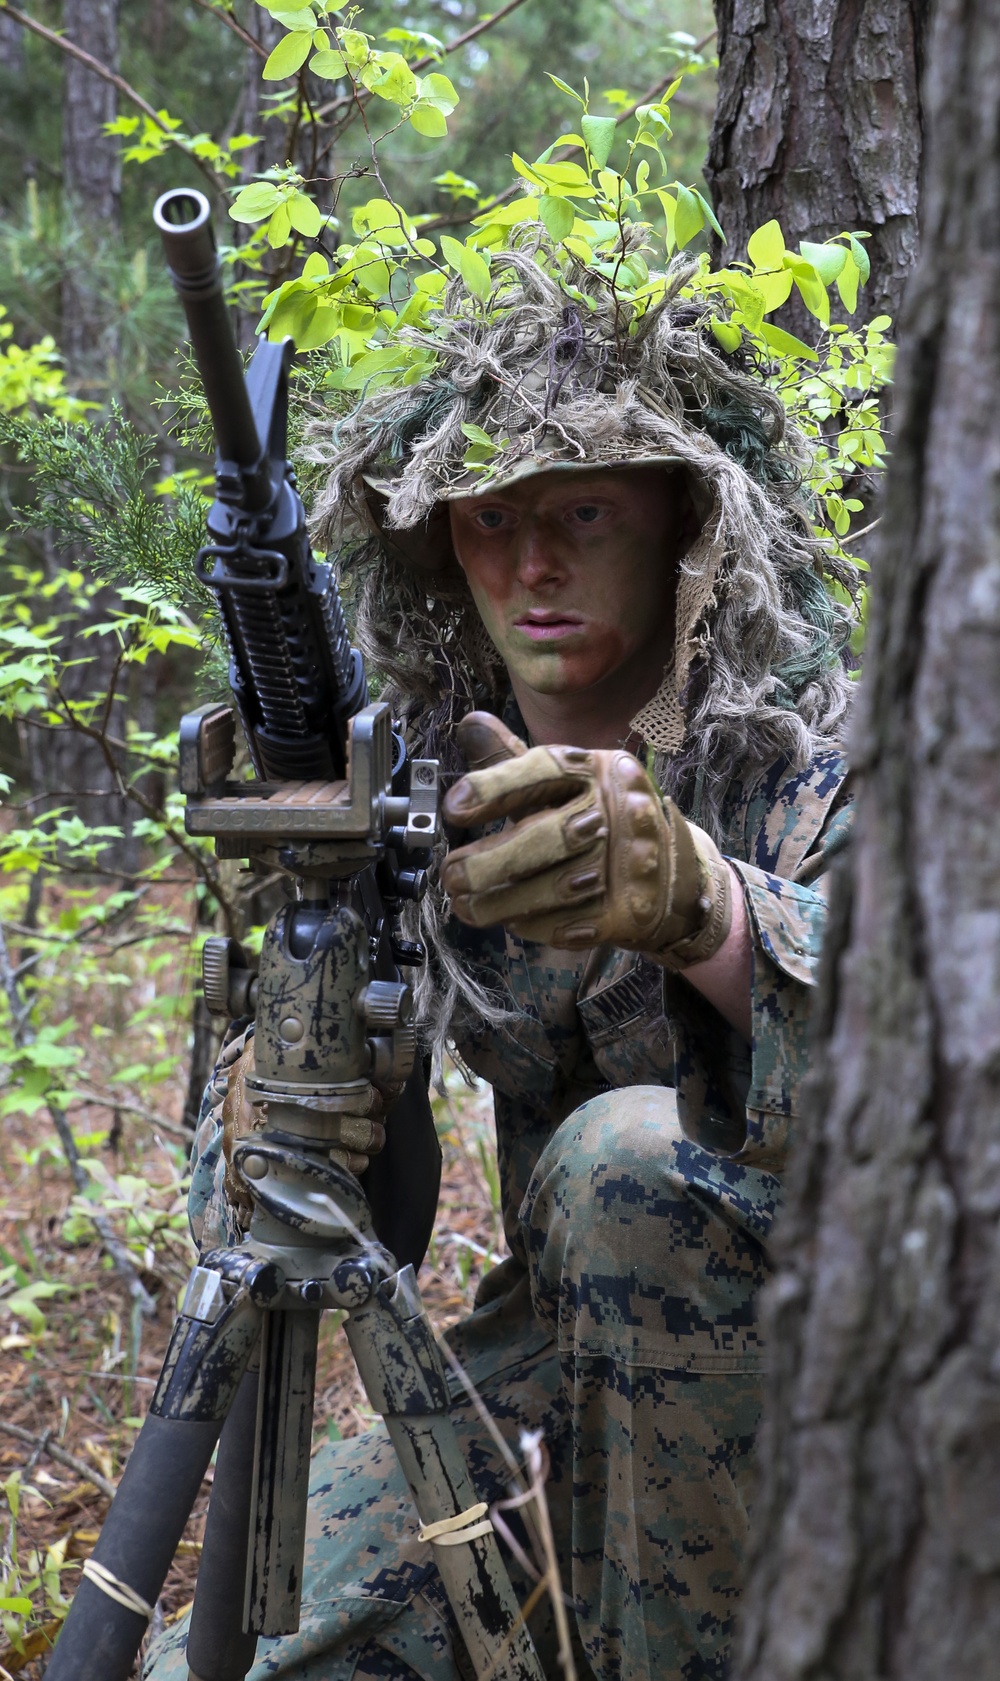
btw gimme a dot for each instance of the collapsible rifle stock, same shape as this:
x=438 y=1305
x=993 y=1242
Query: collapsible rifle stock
x=337 y=807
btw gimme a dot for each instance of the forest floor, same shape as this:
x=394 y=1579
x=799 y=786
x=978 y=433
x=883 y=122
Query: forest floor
x=78 y=1365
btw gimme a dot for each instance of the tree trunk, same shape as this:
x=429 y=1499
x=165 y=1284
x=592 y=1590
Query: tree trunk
x=877 y=1550
x=90 y=344
x=91 y=179
x=11 y=51
x=818 y=123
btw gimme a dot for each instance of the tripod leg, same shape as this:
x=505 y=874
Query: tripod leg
x=101 y=1637
x=400 y=1366
x=218 y=1649
x=281 y=1471
x=212 y=1340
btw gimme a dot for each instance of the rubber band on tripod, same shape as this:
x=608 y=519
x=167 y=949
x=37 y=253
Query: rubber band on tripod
x=464 y=1526
x=116 y=1590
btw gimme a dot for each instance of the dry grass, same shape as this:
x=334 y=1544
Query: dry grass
x=79 y=1378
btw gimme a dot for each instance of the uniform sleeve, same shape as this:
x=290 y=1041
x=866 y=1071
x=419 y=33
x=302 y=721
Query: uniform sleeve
x=744 y=1099
x=212 y=1220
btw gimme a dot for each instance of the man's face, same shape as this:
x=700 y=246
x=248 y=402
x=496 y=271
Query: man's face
x=574 y=573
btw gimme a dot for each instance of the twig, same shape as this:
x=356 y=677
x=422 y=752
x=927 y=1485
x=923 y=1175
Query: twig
x=24 y=1036
x=107 y=75
x=468 y=1243
x=61 y=1457
x=532 y=1446
x=232 y=23
x=90 y=1099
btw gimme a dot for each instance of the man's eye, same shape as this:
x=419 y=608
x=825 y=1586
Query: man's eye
x=490 y=519
x=588 y=513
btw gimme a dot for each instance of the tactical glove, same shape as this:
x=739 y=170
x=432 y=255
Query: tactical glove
x=240 y=1118
x=591 y=852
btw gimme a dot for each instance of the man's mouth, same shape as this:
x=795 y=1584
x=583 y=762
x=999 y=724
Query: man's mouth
x=547 y=625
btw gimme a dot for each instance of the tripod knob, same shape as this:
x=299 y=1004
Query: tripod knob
x=227 y=978
x=386 y=1005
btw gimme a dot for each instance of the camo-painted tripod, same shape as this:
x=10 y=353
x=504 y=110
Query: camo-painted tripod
x=242 y=1357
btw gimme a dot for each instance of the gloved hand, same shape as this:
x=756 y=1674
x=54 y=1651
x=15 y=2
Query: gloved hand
x=595 y=853
x=239 y=1119
x=363 y=1136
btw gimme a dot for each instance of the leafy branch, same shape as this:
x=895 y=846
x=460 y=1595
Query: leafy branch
x=23 y=1037
x=157 y=119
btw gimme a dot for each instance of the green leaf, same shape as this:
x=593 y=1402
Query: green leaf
x=471 y=266
x=315 y=266
x=377 y=214
x=574 y=181
x=288 y=56
x=328 y=66
x=429 y=120
x=786 y=344
x=279 y=227
x=476 y=435
x=766 y=247
x=689 y=218
x=564 y=87
x=397 y=84
x=319 y=329
x=709 y=215
x=294 y=17
x=827 y=260
x=651 y=119
x=599 y=133
x=416 y=38
x=508 y=215
x=436 y=86
x=847 y=284
x=304 y=215
x=557 y=214
x=860 y=256
x=727 y=335
x=774 y=287
x=356 y=46
x=669 y=204
x=811 y=289
x=255 y=202
x=751 y=303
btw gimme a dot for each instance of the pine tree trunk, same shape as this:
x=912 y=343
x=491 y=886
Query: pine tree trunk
x=877 y=1550
x=73 y=767
x=91 y=178
x=818 y=122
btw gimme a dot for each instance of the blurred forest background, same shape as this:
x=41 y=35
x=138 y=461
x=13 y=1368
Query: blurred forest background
x=105 y=1040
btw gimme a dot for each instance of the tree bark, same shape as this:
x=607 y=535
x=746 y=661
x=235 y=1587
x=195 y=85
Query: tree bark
x=818 y=123
x=877 y=1550
x=89 y=342
x=91 y=177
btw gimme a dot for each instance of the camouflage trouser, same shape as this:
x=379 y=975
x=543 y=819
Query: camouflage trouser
x=632 y=1345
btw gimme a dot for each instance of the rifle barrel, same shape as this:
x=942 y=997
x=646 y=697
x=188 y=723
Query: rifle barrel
x=184 y=220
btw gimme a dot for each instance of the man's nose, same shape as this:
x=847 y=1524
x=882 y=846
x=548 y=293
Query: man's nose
x=538 y=561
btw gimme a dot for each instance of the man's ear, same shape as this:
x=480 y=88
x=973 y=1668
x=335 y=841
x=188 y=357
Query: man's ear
x=689 y=520
x=426 y=547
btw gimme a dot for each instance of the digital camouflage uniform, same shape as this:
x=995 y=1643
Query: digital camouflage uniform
x=641 y=1146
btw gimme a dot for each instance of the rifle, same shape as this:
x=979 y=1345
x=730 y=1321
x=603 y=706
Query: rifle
x=337 y=806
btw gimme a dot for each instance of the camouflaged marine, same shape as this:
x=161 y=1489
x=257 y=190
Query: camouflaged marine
x=628 y=579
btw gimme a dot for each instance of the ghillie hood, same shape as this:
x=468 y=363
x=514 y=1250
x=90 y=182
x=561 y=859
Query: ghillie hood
x=552 y=374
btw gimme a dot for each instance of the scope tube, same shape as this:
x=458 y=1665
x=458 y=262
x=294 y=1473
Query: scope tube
x=184 y=220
